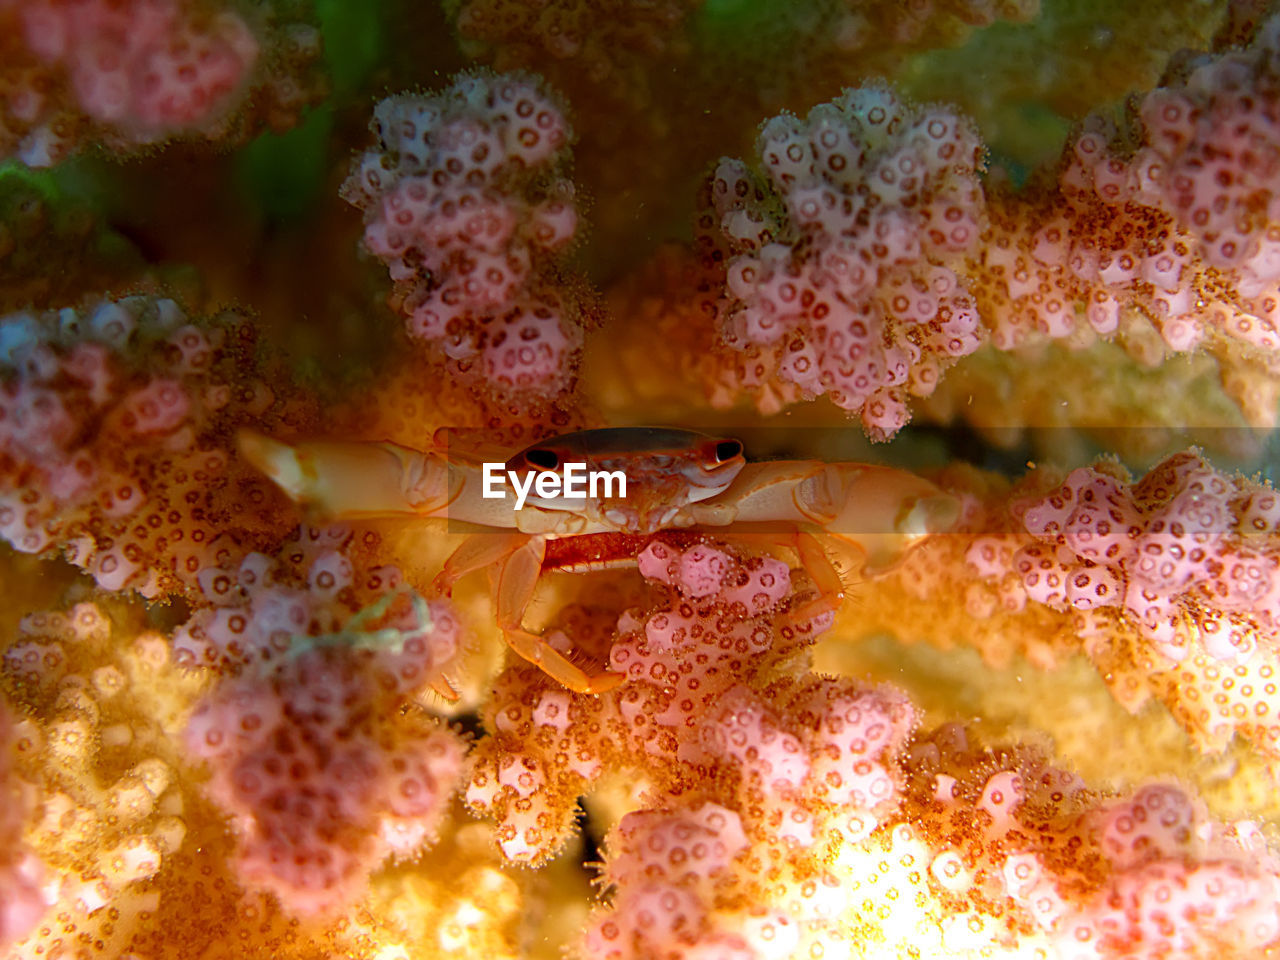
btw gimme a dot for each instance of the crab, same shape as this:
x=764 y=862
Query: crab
x=677 y=480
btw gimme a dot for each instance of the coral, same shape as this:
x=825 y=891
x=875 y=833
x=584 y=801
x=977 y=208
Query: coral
x=21 y=904
x=465 y=903
x=1153 y=236
x=807 y=792
x=1185 y=542
x=232 y=725
x=975 y=597
x=640 y=76
x=836 y=276
x=666 y=312
x=741 y=756
x=1057 y=397
x=115 y=430
x=463 y=203
x=135 y=73
x=549 y=744
x=546 y=747
x=396 y=408
x=1167 y=584
x=1194 y=569
x=134 y=860
x=1043 y=75
x=111 y=809
x=997 y=850
x=307 y=754
x=1164 y=222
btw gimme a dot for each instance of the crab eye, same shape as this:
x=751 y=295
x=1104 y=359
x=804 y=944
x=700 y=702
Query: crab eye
x=542 y=458
x=728 y=450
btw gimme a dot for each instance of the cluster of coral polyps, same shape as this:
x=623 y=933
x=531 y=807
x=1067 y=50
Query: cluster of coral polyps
x=1185 y=545
x=785 y=814
x=1169 y=584
x=142 y=71
x=21 y=905
x=318 y=755
x=865 y=258
x=548 y=745
x=838 y=276
x=258 y=764
x=1185 y=599
x=93 y=745
x=324 y=775
x=116 y=422
x=1169 y=220
x=464 y=203
x=994 y=851
x=981 y=853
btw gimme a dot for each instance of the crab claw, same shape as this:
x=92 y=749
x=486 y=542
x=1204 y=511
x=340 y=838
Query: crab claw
x=880 y=510
x=279 y=461
x=349 y=480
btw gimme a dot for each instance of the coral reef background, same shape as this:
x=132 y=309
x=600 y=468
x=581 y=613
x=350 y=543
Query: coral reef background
x=1030 y=251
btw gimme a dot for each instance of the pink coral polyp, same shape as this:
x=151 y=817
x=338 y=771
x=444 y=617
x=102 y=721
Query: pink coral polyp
x=455 y=197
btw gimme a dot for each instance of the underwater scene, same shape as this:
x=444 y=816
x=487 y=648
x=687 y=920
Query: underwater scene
x=639 y=479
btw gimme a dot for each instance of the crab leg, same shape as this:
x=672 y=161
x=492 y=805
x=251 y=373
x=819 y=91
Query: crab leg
x=478 y=552
x=515 y=582
x=816 y=562
x=826 y=578
x=515 y=564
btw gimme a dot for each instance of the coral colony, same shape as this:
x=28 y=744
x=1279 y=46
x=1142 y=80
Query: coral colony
x=265 y=265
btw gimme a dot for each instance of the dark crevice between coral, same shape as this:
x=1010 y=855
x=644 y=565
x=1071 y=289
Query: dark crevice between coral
x=592 y=840
x=469 y=725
